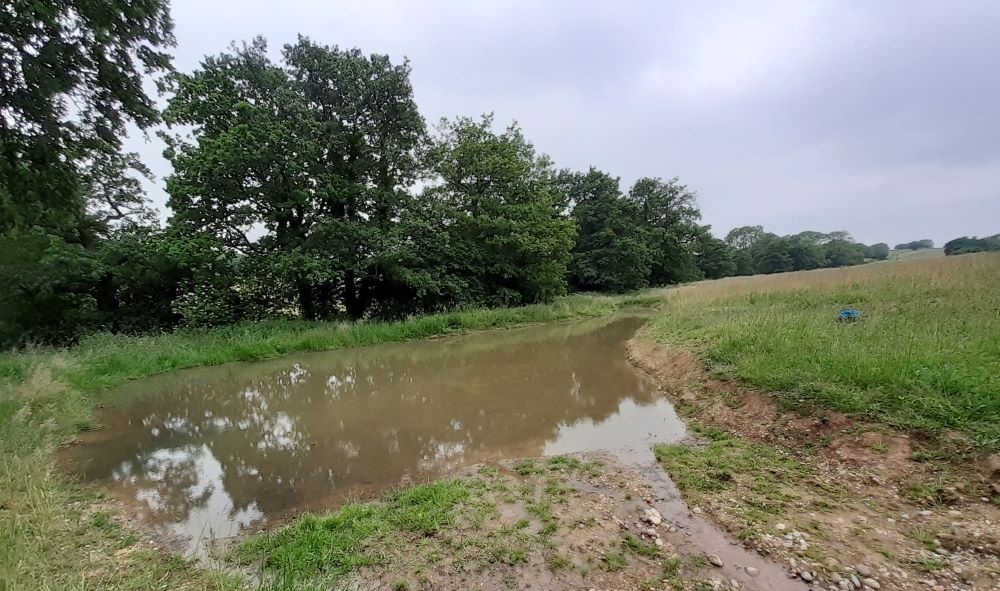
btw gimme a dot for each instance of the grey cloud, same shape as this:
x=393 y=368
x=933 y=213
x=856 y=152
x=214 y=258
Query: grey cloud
x=877 y=117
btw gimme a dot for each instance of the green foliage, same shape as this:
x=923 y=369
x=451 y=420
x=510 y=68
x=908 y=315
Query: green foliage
x=715 y=259
x=671 y=214
x=612 y=253
x=966 y=245
x=878 y=252
x=503 y=218
x=72 y=79
x=323 y=171
x=916 y=245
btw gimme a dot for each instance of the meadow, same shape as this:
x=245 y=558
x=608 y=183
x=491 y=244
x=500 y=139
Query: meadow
x=925 y=357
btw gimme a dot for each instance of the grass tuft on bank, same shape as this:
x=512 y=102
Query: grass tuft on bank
x=925 y=357
x=323 y=549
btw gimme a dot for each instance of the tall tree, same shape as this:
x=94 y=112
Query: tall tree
x=503 y=212
x=318 y=153
x=71 y=79
x=611 y=252
x=671 y=212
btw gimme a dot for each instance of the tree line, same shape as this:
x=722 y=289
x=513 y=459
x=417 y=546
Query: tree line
x=307 y=187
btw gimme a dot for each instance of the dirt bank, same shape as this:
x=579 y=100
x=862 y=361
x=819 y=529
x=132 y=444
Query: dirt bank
x=841 y=502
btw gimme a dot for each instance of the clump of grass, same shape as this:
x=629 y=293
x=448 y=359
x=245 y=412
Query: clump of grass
x=528 y=468
x=641 y=548
x=924 y=358
x=613 y=561
x=729 y=463
x=354 y=536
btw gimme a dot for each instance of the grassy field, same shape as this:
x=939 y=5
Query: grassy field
x=55 y=534
x=925 y=357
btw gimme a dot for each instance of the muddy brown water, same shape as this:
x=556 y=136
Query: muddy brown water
x=205 y=453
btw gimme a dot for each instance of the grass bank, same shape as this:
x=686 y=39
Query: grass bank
x=925 y=357
x=57 y=535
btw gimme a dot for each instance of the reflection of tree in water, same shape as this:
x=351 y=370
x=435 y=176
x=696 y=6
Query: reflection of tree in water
x=305 y=427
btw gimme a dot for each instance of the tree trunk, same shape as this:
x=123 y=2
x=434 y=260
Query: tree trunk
x=351 y=300
x=306 y=304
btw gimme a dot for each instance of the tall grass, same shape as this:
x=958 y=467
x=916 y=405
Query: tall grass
x=925 y=357
x=53 y=535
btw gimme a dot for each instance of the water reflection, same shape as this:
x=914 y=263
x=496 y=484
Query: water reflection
x=212 y=450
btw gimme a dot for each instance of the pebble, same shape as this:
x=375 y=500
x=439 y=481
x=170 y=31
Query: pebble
x=806 y=576
x=926 y=513
x=653 y=516
x=696 y=510
x=831 y=563
x=855 y=582
x=780 y=526
x=863 y=569
x=658 y=542
x=870 y=583
x=836 y=578
x=844 y=585
x=752 y=571
x=734 y=583
x=714 y=560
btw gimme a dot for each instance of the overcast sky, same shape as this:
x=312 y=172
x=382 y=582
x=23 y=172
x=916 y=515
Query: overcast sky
x=878 y=117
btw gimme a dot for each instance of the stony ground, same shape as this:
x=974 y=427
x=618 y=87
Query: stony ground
x=842 y=504
x=556 y=523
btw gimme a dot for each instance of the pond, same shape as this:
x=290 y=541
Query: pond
x=205 y=453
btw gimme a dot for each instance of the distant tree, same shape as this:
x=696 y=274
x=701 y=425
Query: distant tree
x=878 y=252
x=806 y=252
x=771 y=255
x=671 y=213
x=841 y=253
x=916 y=245
x=741 y=240
x=715 y=259
x=966 y=245
x=744 y=237
x=611 y=252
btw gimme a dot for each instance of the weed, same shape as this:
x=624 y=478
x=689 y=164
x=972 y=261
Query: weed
x=613 y=561
x=639 y=547
x=528 y=468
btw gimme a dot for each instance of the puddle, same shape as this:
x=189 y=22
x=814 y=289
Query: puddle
x=205 y=453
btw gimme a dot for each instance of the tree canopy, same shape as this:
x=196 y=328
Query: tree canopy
x=304 y=185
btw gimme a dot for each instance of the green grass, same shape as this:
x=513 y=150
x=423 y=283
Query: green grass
x=728 y=463
x=925 y=357
x=318 y=549
x=48 y=537
x=106 y=360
